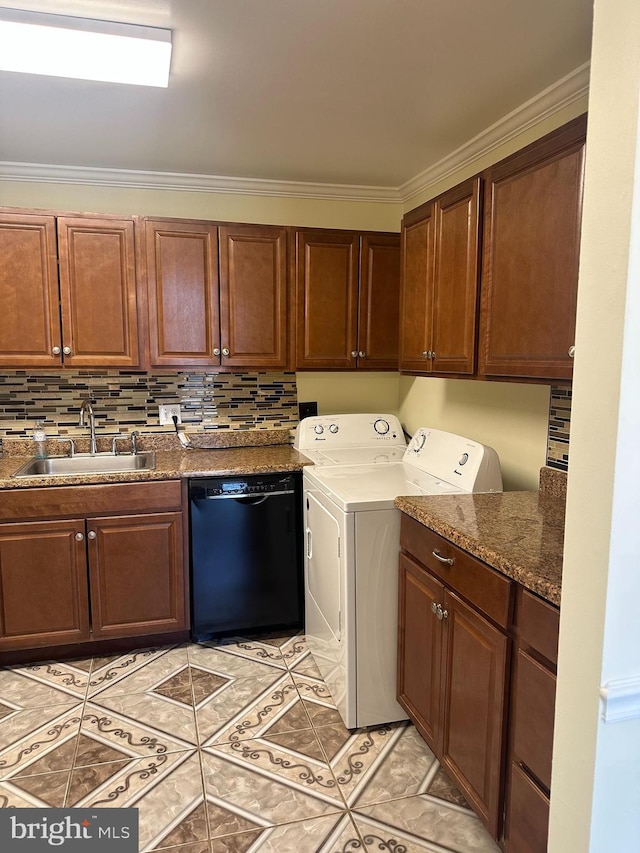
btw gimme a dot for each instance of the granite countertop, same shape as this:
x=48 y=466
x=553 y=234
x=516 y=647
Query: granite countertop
x=521 y=534
x=256 y=456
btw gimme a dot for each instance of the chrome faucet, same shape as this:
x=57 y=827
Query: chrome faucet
x=86 y=408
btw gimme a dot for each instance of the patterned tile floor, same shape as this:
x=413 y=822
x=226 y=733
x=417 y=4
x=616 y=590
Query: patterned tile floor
x=228 y=748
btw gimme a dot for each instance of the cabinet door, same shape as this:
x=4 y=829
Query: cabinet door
x=419 y=648
x=416 y=300
x=98 y=292
x=455 y=287
x=29 y=316
x=473 y=684
x=326 y=264
x=379 y=302
x=137 y=576
x=253 y=296
x=43 y=584
x=182 y=270
x=533 y=205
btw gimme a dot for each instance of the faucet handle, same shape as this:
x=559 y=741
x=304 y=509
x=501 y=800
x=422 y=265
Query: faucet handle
x=114 y=443
x=72 y=445
x=134 y=442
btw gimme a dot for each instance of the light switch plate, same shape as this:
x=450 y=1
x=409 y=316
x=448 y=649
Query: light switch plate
x=167 y=411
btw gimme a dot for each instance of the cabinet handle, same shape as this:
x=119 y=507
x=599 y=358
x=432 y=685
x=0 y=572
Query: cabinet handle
x=56 y=350
x=572 y=351
x=441 y=559
x=79 y=537
x=426 y=354
x=434 y=607
x=91 y=534
x=354 y=353
x=66 y=350
x=433 y=354
x=362 y=354
x=225 y=350
x=445 y=614
x=216 y=350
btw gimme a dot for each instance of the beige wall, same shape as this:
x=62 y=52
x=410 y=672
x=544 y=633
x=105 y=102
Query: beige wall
x=265 y=210
x=510 y=417
x=595 y=786
x=337 y=393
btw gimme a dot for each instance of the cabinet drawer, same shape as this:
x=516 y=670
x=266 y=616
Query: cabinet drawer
x=487 y=589
x=535 y=696
x=85 y=501
x=538 y=625
x=527 y=815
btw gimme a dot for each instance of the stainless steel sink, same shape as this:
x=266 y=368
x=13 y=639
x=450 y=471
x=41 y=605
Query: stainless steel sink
x=86 y=463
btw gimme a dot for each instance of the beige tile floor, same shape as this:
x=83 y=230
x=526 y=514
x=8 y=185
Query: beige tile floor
x=228 y=748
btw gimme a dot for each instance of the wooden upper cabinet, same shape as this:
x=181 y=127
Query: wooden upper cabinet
x=68 y=292
x=182 y=274
x=326 y=264
x=98 y=292
x=253 y=296
x=440 y=262
x=416 y=289
x=379 y=302
x=533 y=205
x=29 y=314
x=346 y=299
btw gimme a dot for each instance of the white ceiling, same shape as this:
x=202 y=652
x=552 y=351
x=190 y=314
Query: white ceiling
x=366 y=92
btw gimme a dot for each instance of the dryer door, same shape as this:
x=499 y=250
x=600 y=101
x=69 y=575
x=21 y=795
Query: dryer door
x=323 y=568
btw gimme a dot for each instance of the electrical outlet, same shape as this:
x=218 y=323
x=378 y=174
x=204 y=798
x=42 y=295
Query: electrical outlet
x=167 y=412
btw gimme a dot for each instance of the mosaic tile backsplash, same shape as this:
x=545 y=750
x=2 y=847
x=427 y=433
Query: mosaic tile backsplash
x=559 y=424
x=127 y=401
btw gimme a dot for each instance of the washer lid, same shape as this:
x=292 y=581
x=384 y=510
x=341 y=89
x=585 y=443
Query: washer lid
x=371 y=487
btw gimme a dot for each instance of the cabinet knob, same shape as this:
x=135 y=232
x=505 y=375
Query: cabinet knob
x=354 y=353
x=79 y=537
x=445 y=614
x=91 y=534
x=426 y=354
x=572 y=351
x=434 y=607
x=362 y=354
x=66 y=350
x=56 y=350
x=433 y=354
x=216 y=350
x=441 y=559
x=225 y=350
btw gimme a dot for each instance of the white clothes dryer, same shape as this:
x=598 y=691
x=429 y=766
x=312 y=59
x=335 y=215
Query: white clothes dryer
x=352 y=540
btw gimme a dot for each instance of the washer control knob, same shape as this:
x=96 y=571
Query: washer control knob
x=464 y=459
x=381 y=426
x=318 y=429
x=333 y=428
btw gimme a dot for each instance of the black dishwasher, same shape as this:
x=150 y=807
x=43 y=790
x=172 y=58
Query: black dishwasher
x=246 y=554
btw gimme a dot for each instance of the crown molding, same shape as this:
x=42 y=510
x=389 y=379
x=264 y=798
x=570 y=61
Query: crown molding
x=183 y=182
x=547 y=103
x=542 y=106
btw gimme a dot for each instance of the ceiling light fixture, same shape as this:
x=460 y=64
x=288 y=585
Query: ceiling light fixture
x=58 y=46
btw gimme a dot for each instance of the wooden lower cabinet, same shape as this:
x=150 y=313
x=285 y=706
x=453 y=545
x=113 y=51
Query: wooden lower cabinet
x=533 y=694
x=452 y=673
x=137 y=584
x=43 y=577
x=119 y=571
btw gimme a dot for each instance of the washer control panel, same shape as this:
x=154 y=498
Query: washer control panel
x=356 y=430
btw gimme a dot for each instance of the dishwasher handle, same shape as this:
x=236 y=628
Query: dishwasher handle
x=245 y=498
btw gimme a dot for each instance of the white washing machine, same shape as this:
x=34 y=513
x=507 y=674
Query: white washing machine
x=352 y=534
x=351 y=439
